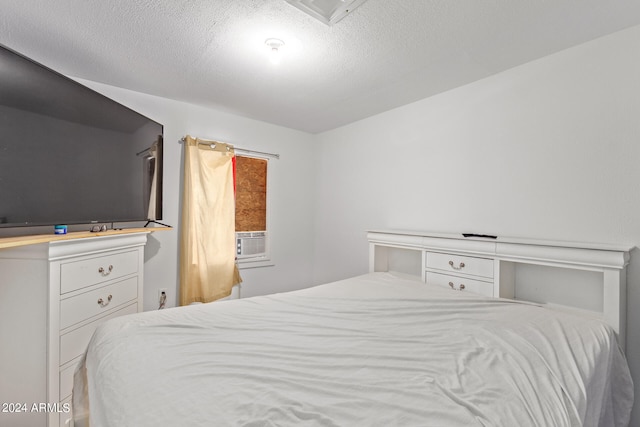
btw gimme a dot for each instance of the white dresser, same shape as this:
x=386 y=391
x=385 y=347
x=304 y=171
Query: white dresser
x=53 y=295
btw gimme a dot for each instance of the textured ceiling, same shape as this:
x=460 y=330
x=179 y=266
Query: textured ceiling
x=385 y=54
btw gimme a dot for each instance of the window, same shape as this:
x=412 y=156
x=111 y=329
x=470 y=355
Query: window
x=252 y=238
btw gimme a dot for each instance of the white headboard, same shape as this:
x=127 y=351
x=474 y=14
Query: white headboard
x=501 y=267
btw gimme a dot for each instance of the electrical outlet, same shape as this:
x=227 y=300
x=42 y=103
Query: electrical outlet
x=162 y=297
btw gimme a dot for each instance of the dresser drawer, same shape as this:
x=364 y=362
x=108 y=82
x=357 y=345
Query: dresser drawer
x=98 y=301
x=482 y=267
x=66 y=381
x=79 y=274
x=465 y=284
x=74 y=343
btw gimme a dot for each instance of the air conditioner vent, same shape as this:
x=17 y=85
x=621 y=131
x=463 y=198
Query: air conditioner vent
x=327 y=11
x=251 y=244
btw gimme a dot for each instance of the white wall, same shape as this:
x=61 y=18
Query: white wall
x=547 y=150
x=291 y=201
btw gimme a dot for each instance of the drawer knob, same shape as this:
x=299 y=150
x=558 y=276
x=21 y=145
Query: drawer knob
x=459 y=267
x=460 y=288
x=104 y=272
x=104 y=304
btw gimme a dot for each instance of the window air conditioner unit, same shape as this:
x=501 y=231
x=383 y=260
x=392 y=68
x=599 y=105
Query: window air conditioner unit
x=251 y=244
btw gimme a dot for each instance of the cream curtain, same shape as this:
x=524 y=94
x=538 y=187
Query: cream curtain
x=207 y=252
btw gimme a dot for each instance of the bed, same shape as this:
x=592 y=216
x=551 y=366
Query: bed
x=380 y=349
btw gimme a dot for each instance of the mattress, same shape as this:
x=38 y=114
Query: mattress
x=374 y=350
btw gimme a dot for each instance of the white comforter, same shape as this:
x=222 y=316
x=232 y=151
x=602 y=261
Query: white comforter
x=375 y=350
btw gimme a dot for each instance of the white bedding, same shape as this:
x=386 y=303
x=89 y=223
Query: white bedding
x=375 y=350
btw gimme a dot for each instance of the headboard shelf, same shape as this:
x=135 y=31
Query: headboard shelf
x=468 y=261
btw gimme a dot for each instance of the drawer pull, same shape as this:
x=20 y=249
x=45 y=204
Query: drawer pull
x=109 y=298
x=460 y=288
x=105 y=272
x=459 y=267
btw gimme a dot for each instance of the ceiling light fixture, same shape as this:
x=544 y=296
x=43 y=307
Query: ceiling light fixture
x=274 y=46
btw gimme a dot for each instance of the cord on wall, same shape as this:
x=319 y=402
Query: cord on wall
x=163 y=299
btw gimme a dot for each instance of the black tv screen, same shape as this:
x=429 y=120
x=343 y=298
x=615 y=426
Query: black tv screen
x=69 y=155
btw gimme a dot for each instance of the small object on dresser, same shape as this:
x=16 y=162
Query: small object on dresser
x=485 y=236
x=60 y=229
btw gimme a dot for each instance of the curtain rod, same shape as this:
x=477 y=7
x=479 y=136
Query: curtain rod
x=242 y=150
x=146 y=149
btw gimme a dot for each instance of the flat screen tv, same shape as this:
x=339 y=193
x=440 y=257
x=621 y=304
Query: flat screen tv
x=69 y=155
